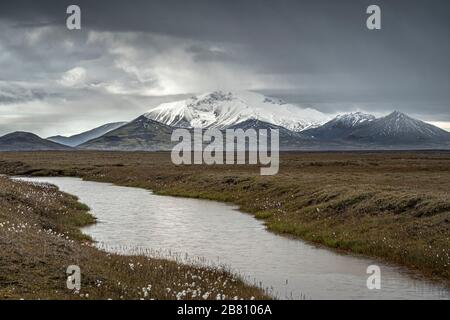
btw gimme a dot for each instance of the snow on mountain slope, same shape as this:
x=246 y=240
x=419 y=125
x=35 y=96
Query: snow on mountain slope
x=340 y=126
x=399 y=128
x=223 y=109
x=354 y=119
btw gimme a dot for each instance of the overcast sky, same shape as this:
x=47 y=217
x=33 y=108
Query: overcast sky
x=130 y=56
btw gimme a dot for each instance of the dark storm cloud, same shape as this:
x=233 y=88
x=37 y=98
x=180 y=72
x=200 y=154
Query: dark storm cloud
x=317 y=37
x=317 y=52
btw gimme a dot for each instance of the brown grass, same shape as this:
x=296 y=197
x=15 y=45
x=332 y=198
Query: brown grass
x=395 y=205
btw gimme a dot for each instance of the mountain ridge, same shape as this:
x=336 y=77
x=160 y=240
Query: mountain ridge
x=80 y=138
x=399 y=128
x=140 y=134
x=340 y=126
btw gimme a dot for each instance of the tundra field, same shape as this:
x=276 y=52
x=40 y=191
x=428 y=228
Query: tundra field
x=40 y=238
x=390 y=205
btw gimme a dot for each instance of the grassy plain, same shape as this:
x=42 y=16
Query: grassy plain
x=40 y=238
x=394 y=205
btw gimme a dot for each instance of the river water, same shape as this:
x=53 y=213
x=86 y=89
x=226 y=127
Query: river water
x=217 y=233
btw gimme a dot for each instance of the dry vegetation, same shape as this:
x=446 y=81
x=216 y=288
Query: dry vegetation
x=390 y=205
x=40 y=238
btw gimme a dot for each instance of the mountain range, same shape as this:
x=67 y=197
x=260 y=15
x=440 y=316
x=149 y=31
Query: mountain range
x=299 y=128
x=394 y=131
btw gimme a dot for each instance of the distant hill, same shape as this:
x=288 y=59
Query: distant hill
x=25 y=141
x=139 y=134
x=83 y=137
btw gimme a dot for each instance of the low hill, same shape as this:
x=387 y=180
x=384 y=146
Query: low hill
x=25 y=141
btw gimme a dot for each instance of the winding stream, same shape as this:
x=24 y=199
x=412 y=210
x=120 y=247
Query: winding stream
x=219 y=233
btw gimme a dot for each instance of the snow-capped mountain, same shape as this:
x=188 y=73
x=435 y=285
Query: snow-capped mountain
x=351 y=120
x=399 y=128
x=223 y=109
x=340 y=126
x=396 y=130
